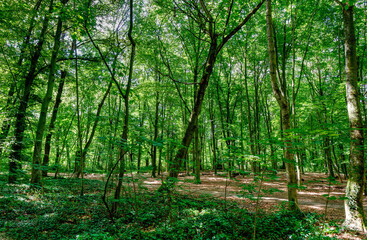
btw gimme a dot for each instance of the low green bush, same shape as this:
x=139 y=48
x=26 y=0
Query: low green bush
x=60 y=213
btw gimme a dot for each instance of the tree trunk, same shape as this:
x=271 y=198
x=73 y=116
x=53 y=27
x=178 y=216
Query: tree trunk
x=141 y=123
x=46 y=156
x=196 y=150
x=11 y=101
x=329 y=160
x=197 y=158
x=15 y=157
x=125 y=130
x=214 y=142
x=354 y=213
x=91 y=136
x=57 y=158
x=214 y=49
x=285 y=114
x=155 y=137
x=191 y=128
x=119 y=181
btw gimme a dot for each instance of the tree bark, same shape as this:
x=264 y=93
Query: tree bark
x=354 y=212
x=285 y=113
x=155 y=137
x=214 y=49
x=125 y=130
x=191 y=128
x=11 y=101
x=214 y=142
x=16 y=157
x=36 y=162
x=46 y=156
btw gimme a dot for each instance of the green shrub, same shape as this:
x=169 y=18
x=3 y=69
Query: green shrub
x=60 y=213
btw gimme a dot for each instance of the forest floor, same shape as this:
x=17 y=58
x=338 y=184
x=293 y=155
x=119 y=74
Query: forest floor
x=218 y=207
x=317 y=194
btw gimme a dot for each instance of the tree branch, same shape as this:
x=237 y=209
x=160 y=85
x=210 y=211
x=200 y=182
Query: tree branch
x=66 y=59
x=175 y=82
x=105 y=63
x=340 y=3
x=170 y=77
x=228 y=17
x=236 y=29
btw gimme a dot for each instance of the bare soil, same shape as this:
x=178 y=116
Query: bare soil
x=312 y=196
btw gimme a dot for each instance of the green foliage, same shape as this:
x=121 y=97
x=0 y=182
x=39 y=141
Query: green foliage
x=239 y=123
x=60 y=213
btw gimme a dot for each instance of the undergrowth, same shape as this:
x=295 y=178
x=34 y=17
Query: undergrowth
x=58 y=212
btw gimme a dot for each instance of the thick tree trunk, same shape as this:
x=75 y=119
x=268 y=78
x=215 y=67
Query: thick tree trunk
x=203 y=84
x=11 y=100
x=354 y=213
x=289 y=164
x=15 y=157
x=191 y=128
x=196 y=149
x=285 y=114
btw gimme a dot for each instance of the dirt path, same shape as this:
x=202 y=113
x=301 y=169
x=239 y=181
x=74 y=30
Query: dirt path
x=312 y=198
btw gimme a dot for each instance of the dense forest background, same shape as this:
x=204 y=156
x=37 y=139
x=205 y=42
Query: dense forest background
x=163 y=88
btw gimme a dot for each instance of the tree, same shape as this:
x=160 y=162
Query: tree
x=36 y=163
x=10 y=98
x=203 y=17
x=46 y=155
x=285 y=112
x=15 y=157
x=354 y=212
